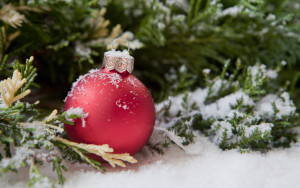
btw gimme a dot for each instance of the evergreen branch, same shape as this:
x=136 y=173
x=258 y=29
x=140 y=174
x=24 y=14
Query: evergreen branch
x=10 y=87
x=58 y=167
x=3 y=62
x=247 y=119
x=28 y=72
x=103 y=151
x=37 y=179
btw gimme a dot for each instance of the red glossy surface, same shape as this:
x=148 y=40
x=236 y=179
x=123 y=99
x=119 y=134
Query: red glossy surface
x=120 y=109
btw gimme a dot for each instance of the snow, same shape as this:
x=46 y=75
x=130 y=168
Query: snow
x=210 y=167
x=271 y=17
x=272 y=74
x=121 y=104
x=222 y=113
x=223 y=126
x=77 y=111
x=263 y=128
x=222 y=107
x=216 y=86
x=43 y=182
x=135 y=44
x=21 y=154
x=117 y=53
x=283 y=62
x=134 y=81
x=161 y=26
x=261 y=71
x=206 y=71
x=38 y=130
x=170 y=134
x=283 y=103
x=113 y=78
x=82 y=50
x=179 y=18
x=233 y=11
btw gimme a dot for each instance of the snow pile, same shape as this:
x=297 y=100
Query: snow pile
x=211 y=167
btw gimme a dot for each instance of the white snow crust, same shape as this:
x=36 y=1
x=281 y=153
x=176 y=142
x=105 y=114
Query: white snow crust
x=233 y=11
x=208 y=167
x=112 y=78
x=117 y=53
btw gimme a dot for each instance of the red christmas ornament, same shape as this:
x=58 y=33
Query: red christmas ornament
x=120 y=110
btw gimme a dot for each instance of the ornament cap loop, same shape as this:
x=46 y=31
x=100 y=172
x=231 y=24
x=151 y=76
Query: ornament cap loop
x=121 y=61
x=113 y=43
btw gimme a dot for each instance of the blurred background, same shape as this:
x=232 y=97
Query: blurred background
x=172 y=41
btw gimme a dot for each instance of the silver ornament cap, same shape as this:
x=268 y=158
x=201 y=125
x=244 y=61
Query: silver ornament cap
x=120 y=61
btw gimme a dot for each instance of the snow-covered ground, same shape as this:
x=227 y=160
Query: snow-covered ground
x=210 y=167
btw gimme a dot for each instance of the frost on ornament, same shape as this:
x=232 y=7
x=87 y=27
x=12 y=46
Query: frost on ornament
x=121 y=104
x=113 y=78
x=135 y=82
x=116 y=53
x=76 y=111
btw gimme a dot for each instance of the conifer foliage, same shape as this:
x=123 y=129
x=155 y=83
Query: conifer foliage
x=226 y=69
x=239 y=110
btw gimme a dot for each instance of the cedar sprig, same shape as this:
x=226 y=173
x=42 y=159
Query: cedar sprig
x=10 y=87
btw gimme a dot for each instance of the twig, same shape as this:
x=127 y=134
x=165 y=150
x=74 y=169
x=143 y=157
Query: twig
x=103 y=151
